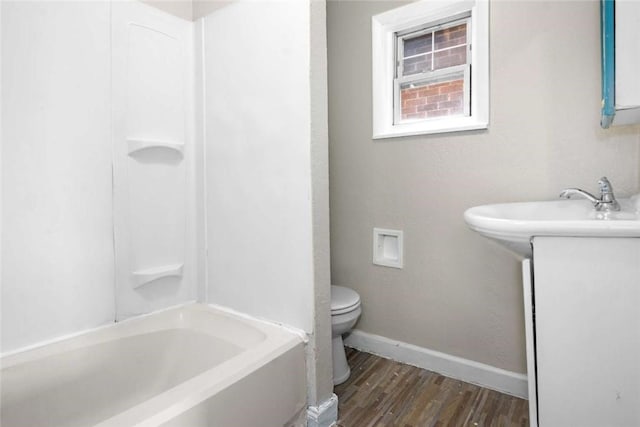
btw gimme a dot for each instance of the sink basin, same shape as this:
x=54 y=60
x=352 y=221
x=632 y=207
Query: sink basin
x=514 y=224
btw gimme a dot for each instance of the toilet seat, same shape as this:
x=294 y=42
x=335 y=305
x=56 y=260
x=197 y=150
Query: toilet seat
x=343 y=300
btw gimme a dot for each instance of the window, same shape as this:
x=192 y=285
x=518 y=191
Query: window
x=430 y=68
x=432 y=72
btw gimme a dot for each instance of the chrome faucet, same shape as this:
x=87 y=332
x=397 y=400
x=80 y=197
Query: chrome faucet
x=607 y=201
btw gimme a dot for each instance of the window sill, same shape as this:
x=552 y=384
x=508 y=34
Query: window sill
x=431 y=127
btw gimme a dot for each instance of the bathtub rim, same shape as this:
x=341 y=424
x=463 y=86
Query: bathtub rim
x=72 y=335
x=137 y=325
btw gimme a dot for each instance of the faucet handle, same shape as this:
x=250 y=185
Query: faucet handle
x=605 y=186
x=608 y=199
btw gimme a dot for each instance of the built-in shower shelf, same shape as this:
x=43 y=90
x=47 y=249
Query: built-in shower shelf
x=135 y=145
x=142 y=277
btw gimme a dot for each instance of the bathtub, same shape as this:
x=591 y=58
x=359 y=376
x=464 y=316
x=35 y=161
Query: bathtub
x=193 y=365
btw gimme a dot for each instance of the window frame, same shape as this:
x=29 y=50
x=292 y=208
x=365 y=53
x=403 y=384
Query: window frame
x=389 y=28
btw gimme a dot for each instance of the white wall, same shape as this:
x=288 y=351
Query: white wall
x=458 y=292
x=266 y=180
x=68 y=109
x=258 y=171
x=57 y=245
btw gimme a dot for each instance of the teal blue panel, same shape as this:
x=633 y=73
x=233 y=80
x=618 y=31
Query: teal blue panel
x=607 y=30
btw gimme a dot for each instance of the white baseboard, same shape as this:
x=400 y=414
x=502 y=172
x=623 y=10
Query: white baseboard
x=323 y=415
x=451 y=366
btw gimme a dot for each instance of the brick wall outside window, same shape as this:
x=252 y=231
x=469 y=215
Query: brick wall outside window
x=433 y=100
x=430 y=52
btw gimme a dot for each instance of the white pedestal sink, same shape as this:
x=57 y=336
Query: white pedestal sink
x=514 y=224
x=583 y=283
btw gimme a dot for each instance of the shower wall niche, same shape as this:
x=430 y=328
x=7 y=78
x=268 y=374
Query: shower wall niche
x=152 y=141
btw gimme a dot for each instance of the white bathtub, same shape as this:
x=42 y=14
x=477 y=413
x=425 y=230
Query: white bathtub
x=189 y=366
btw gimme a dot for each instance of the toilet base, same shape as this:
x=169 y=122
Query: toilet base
x=341 y=370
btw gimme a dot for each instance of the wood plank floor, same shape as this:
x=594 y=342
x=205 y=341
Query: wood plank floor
x=381 y=393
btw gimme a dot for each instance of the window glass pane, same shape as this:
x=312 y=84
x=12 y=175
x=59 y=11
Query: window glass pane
x=452 y=36
x=417 y=45
x=429 y=99
x=450 y=57
x=417 y=64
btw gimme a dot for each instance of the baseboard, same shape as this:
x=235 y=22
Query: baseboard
x=323 y=415
x=451 y=366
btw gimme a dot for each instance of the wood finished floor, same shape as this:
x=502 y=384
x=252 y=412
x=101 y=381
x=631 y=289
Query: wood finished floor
x=381 y=393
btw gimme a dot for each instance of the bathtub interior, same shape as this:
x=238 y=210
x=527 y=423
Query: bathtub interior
x=97 y=376
x=94 y=383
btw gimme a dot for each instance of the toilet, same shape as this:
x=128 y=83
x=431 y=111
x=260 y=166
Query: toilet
x=345 y=310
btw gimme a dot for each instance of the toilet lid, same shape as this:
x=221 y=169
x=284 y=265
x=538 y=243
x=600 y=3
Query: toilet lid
x=343 y=299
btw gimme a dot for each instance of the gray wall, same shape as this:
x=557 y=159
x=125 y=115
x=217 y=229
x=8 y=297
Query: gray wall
x=459 y=293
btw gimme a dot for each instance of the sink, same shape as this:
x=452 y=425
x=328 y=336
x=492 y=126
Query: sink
x=514 y=224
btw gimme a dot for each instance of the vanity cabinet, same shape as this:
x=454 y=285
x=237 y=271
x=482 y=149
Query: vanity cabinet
x=585 y=316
